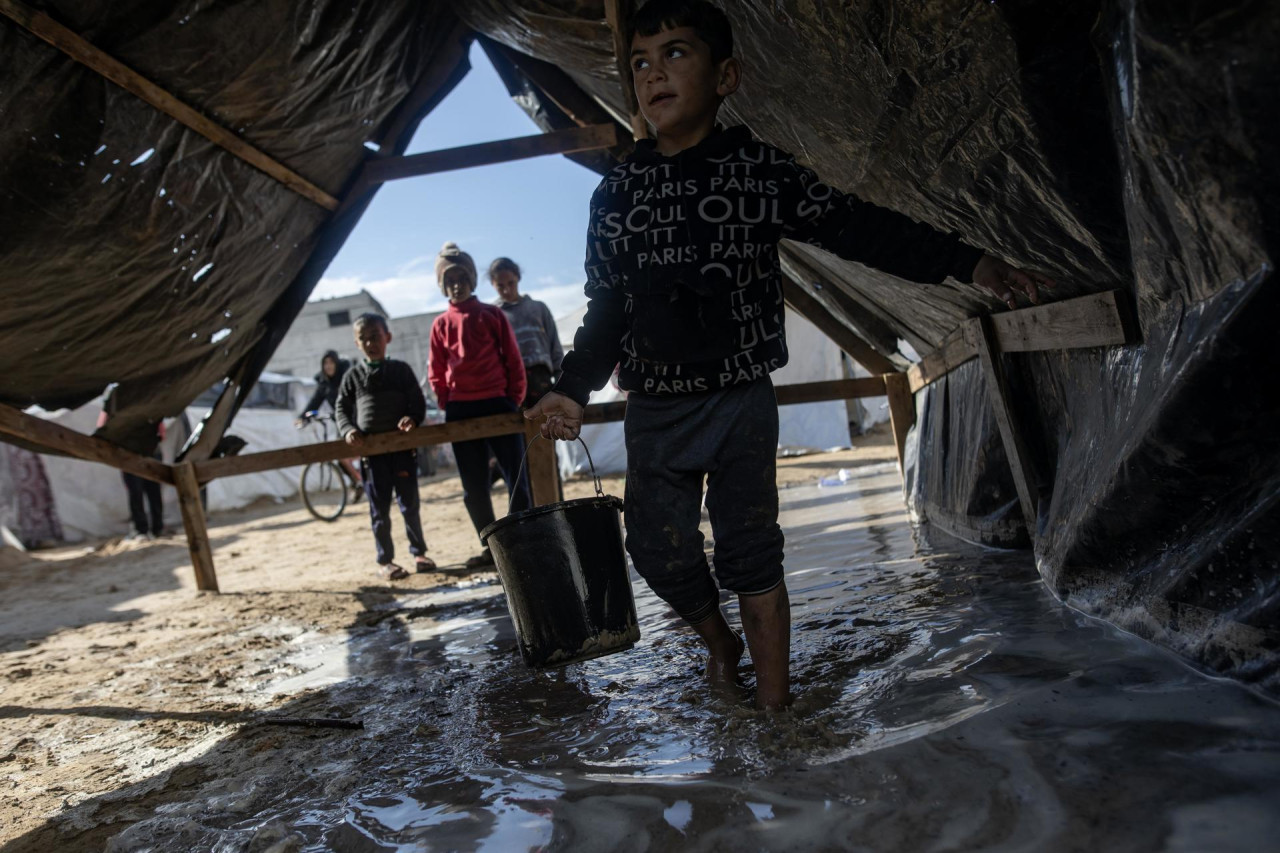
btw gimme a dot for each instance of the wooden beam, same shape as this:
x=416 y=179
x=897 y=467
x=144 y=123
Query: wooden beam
x=832 y=389
x=902 y=413
x=76 y=47
x=543 y=479
x=956 y=348
x=618 y=14
x=514 y=424
x=59 y=439
x=503 y=151
x=816 y=313
x=1096 y=320
x=562 y=90
x=184 y=477
x=287 y=457
x=1024 y=475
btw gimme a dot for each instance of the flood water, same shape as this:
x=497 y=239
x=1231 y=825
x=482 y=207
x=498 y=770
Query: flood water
x=944 y=701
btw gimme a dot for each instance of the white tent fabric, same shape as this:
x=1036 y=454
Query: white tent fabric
x=812 y=426
x=91 y=499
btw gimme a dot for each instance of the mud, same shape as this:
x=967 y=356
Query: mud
x=944 y=700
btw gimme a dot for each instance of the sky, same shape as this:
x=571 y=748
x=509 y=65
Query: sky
x=533 y=211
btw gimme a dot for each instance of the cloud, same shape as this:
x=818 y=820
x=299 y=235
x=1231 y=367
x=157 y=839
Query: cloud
x=414 y=291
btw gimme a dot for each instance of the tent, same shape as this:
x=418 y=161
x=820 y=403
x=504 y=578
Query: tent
x=89 y=499
x=161 y=226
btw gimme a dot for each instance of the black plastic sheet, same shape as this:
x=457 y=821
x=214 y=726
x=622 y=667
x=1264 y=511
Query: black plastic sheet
x=1115 y=145
x=133 y=250
x=1126 y=144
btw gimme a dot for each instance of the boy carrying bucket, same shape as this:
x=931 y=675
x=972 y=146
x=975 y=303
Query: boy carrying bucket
x=685 y=292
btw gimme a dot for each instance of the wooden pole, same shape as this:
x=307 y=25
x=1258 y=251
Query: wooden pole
x=58 y=439
x=542 y=467
x=76 y=47
x=567 y=141
x=618 y=13
x=816 y=313
x=184 y=477
x=902 y=413
x=1024 y=476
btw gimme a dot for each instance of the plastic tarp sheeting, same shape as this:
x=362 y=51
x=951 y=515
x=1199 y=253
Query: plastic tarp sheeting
x=134 y=250
x=1126 y=145
x=90 y=500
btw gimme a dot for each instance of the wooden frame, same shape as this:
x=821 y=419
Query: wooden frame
x=804 y=304
x=1097 y=320
x=617 y=13
x=567 y=141
x=55 y=438
x=82 y=51
x=1011 y=432
x=188 y=477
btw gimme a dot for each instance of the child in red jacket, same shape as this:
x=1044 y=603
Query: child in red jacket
x=475 y=369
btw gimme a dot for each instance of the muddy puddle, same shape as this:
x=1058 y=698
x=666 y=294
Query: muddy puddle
x=944 y=701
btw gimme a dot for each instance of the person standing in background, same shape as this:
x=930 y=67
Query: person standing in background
x=535 y=330
x=476 y=370
x=143 y=494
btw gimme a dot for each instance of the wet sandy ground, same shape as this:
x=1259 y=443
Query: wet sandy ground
x=944 y=701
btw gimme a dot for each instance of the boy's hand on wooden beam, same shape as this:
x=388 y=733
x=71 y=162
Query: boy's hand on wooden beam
x=355 y=438
x=563 y=416
x=1006 y=281
x=406 y=424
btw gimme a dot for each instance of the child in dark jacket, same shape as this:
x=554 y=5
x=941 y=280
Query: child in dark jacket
x=685 y=292
x=475 y=369
x=382 y=395
x=328 y=381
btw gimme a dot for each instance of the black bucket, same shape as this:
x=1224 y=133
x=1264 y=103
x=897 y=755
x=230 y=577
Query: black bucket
x=565 y=574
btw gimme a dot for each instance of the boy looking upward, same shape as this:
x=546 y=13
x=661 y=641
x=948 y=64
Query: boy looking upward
x=685 y=292
x=382 y=395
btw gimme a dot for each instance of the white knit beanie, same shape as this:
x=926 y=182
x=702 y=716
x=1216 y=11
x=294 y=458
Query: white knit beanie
x=451 y=256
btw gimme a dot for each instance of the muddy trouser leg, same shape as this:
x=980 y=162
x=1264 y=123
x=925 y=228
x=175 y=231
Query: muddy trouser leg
x=379 y=483
x=742 y=495
x=664 y=505
x=137 y=509
x=405 y=465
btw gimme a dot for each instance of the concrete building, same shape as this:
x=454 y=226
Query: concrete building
x=326 y=324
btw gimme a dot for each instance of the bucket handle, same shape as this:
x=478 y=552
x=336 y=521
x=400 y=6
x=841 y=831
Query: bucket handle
x=525 y=457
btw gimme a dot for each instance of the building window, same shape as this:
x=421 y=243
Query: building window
x=339 y=318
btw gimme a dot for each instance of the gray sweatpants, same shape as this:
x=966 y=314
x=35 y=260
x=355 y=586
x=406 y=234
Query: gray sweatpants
x=730 y=437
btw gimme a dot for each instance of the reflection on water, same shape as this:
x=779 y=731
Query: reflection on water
x=943 y=701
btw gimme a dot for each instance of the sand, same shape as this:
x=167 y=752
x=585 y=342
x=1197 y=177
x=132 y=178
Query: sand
x=115 y=673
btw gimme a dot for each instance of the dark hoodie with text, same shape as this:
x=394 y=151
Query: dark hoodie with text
x=683 y=278
x=327 y=386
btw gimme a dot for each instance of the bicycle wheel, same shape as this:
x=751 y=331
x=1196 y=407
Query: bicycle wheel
x=323 y=490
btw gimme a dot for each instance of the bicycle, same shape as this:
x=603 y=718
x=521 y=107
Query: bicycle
x=323 y=485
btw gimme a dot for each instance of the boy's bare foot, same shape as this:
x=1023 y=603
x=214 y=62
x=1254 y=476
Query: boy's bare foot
x=725 y=648
x=722 y=664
